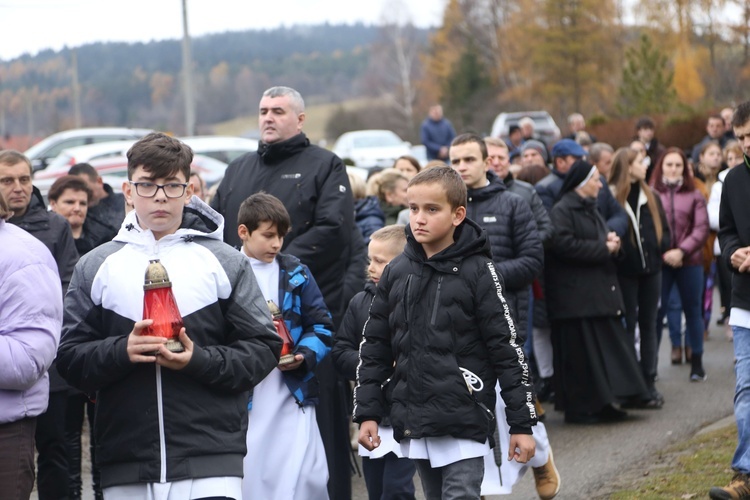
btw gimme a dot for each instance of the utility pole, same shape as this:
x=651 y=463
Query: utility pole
x=76 y=90
x=187 y=75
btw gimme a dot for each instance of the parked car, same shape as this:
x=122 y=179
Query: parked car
x=116 y=167
x=221 y=147
x=370 y=148
x=42 y=152
x=544 y=125
x=83 y=154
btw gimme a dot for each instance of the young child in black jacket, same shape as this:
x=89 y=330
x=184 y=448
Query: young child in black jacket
x=439 y=335
x=387 y=473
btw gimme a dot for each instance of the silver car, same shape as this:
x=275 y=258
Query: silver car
x=544 y=125
x=45 y=150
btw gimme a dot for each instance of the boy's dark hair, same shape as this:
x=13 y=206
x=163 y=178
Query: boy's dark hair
x=449 y=180
x=12 y=157
x=263 y=207
x=741 y=114
x=468 y=139
x=84 y=169
x=644 y=122
x=161 y=156
x=72 y=182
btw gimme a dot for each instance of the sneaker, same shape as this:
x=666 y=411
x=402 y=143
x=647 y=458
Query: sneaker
x=738 y=489
x=547 y=479
x=697 y=373
x=698 y=376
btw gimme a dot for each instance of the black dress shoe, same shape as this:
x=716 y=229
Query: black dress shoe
x=611 y=414
x=654 y=403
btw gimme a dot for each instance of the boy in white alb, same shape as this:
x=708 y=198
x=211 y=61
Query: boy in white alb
x=285 y=456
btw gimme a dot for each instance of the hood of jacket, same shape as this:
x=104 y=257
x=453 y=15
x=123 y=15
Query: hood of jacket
x=278 y=151
x=198 y=220
x=368 y=207
x=468 y=239
x=370 y=288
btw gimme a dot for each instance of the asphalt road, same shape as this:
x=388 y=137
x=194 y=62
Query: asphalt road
x=590 y=457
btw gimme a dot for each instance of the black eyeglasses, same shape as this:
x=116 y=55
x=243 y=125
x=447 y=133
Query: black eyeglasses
x=149 y=189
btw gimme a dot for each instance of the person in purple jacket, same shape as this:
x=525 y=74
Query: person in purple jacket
x=30 y=323
x=685 y=208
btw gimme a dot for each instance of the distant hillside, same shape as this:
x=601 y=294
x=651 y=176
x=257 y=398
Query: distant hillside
x=140 y=84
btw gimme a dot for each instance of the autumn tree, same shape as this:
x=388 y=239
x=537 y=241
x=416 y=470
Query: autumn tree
x=646 y=86
x=741 y=29
x=395 y=68
x=443 y=52
x=575 y=53
x=466 y=89
x=690 y=32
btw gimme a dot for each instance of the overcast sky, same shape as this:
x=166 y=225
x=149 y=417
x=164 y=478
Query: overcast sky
x=28 y=26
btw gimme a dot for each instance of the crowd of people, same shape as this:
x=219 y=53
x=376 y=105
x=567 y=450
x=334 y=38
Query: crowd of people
x=438 y=306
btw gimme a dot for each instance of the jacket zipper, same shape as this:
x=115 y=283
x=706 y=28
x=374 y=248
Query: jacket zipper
x=437 y=302
x=672 y=215
x=162 y=440
x=406 y=301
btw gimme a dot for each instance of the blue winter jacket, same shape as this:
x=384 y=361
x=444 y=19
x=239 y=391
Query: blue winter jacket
x=368 y=216
x=309 y=323
x=436 y=134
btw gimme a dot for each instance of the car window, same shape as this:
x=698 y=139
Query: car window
x=233 y=155
x=540 y=122
x=65 y=144
x=111 y=138
x=376 y=141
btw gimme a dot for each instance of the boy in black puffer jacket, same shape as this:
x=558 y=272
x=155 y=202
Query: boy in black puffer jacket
x=440 y=334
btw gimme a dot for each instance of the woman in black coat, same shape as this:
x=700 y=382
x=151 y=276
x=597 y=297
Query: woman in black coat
x=595 y=363
x=639 y=272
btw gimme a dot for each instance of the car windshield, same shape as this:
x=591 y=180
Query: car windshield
x=540 y=122
x=376 y=141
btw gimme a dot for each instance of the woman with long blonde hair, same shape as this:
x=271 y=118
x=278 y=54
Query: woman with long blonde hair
x=639 y=272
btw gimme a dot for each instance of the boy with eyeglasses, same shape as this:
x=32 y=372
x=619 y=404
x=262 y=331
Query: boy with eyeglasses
x=168 y=425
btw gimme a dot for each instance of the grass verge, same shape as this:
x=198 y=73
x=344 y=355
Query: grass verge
x=686 y=470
